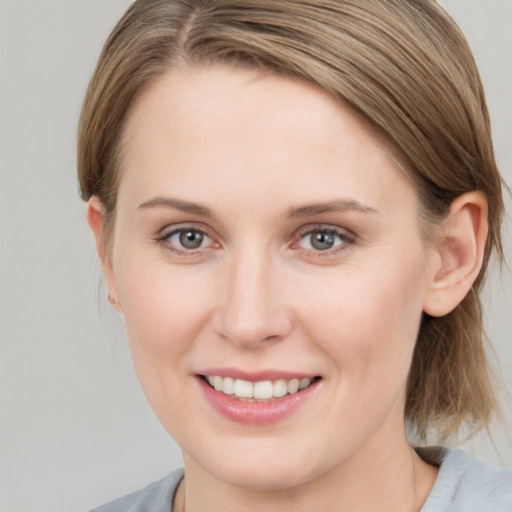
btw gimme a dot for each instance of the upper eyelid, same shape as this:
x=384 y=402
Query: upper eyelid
x=304 y=230
x=182 y=226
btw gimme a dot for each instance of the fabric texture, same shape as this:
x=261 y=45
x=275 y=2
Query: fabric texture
x=464 y=484
x=156 y=497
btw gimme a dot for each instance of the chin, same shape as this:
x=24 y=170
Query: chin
x=263 y=467
x=264 y=478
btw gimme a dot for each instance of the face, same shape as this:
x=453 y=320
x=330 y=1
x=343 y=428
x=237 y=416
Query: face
x=265 y=242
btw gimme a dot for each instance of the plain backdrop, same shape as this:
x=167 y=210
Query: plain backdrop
x=75 y=428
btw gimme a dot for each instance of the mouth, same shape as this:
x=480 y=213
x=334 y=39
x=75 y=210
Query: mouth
x=261 y=397
x=258 y=391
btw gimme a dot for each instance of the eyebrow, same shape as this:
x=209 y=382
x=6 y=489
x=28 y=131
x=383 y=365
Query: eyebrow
x=309 y=210
x=178 y=204
x=339 y=205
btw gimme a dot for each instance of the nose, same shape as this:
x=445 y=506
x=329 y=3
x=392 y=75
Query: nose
x=253 y=309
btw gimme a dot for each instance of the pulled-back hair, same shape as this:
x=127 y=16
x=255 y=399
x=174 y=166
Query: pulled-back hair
x=403 y=65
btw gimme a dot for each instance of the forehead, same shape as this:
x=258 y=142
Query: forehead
x=258 y=132
x=200 y=96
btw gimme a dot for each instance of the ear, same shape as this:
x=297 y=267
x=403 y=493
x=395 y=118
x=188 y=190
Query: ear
x=95 y=219
x=458 y=254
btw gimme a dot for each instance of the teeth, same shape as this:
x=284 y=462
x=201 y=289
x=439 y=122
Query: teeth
x=229 y=386
x=218 y=383
x=243 y=389
x=280 y=388
x=262 y=390
x=293 y=386
x=304 y=383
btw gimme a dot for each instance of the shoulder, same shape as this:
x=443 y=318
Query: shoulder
x=467 y=484
x=157 y=497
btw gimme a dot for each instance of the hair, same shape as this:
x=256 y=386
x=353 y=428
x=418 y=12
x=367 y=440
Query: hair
x=403 y=65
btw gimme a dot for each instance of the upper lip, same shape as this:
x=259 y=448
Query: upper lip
x=255 y=376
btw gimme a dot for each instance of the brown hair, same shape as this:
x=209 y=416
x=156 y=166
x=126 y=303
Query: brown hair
x=402 y=64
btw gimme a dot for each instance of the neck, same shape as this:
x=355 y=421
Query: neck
x=384 y=477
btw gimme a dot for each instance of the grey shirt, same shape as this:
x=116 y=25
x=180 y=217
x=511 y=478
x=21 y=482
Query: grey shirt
x=464 y=484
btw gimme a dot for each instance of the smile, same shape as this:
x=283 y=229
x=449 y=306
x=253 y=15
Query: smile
x=257 y=391
x=257 y=402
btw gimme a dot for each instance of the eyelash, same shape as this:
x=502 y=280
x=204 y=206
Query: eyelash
x=345 y=240
x=165 y=236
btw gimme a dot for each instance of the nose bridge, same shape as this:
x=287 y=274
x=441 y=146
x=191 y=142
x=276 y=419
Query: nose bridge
x=253 y=310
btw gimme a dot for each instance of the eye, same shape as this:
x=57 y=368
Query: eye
x=188 y=238
x=322 y=239
x=184 y=240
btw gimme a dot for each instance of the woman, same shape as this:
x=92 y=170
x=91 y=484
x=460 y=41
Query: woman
x=294 y=204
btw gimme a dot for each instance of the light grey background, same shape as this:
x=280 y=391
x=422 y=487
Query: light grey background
x=75 y=429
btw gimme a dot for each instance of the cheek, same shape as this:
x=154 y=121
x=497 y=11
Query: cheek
x=164 y=306
x=366 y=319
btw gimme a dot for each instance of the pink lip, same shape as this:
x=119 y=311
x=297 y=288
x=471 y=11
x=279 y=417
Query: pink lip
x=255 y=413
x=236 y=373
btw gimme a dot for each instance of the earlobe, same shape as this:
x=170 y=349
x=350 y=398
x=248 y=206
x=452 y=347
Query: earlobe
x=95 y=219
x=459 y=253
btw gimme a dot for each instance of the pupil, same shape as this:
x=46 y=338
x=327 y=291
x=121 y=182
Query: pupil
x=322 y=240
x=191 y=239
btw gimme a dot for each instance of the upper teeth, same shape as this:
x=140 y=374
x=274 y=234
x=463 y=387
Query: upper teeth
x=261 y=390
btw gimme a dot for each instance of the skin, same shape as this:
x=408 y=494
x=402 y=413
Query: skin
x=254 y=150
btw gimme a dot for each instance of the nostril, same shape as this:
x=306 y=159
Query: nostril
x=249 y=329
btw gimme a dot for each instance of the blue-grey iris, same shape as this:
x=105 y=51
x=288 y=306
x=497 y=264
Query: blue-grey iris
x=191 y=239
x=322 y=240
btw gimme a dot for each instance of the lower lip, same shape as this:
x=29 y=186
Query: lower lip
x=256 y=413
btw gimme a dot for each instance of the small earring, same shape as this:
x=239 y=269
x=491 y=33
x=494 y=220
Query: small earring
x=113 y=300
